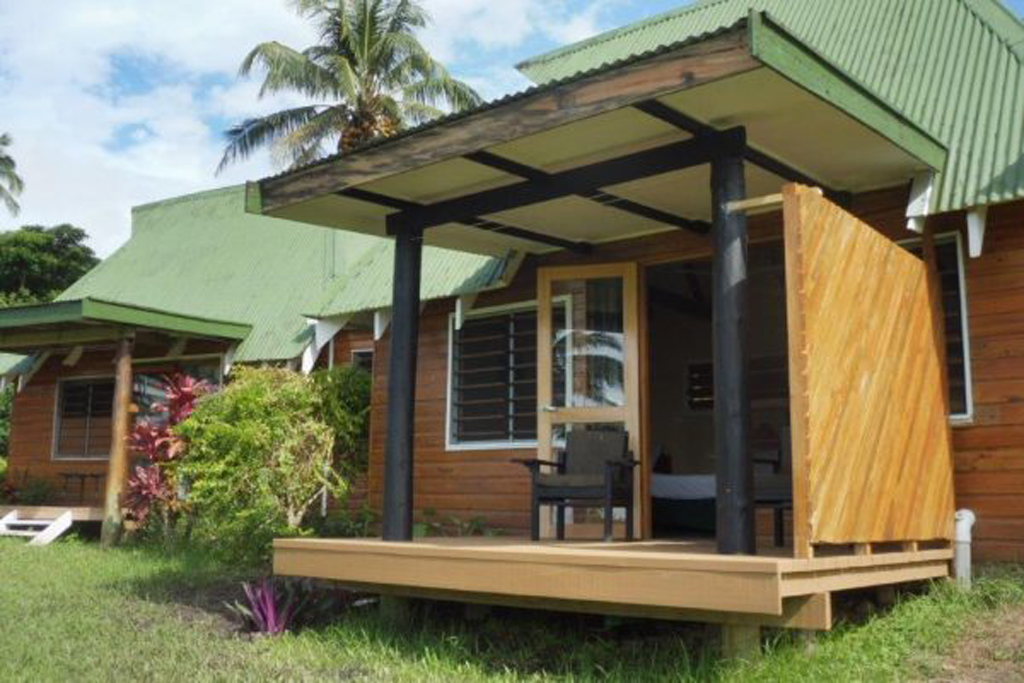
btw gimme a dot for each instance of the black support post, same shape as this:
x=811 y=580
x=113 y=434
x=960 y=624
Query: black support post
x=735 y=474
x=398 y=449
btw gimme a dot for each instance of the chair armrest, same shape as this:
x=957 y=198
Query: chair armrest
x=536 y=463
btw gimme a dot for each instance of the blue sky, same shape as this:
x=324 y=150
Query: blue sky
x=122 y=102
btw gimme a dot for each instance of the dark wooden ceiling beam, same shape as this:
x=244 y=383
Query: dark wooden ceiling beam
x=583 y=180
x=678 y=119
x=473 y=222
x=601 y=197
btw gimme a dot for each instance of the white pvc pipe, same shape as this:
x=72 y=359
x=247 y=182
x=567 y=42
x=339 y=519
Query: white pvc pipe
x=962 y=550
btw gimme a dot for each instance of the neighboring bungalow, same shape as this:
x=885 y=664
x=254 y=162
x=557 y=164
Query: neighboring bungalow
x=200 y=286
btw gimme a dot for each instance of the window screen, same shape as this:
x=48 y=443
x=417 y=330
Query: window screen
x=84 y=414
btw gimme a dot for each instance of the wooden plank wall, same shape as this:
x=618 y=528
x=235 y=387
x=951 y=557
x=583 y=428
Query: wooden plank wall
x=32 y=423
x=869 y=423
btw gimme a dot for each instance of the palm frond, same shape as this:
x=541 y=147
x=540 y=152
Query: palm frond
x=368 y=68
x=251 y=134
x=11 y=184
x=288 y=69
x=307 y=143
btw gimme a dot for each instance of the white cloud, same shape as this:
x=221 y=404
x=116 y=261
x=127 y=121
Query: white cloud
x=90 y=147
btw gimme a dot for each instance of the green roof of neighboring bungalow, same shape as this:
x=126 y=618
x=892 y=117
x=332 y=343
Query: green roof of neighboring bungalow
x=202 y=255
x=953 y=67
x=11 y=363
x=367 y=285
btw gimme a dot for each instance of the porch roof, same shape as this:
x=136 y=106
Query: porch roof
x=64 y=323
x=617 y=151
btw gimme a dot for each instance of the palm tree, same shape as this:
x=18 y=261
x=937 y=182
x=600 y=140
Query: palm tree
x=11 y=184
x=368 y=77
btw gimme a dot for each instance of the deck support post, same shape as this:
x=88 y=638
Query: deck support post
x=734 y=468
x=741 y=642
x=398 y=449
x=117 y=466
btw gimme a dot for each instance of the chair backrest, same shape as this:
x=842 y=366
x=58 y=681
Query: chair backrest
x=586 y=452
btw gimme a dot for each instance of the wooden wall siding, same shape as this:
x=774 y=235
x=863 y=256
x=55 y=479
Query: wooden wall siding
x=32 y=423
x=868 y=417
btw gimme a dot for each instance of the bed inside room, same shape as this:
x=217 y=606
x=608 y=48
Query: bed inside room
x=681 y=396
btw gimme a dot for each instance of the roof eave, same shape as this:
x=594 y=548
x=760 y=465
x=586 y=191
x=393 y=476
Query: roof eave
x=778 y=49
x=90 y=320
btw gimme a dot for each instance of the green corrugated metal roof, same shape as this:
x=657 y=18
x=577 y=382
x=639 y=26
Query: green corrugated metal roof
x=203 y=255
x=367 y=286
x=953 y=67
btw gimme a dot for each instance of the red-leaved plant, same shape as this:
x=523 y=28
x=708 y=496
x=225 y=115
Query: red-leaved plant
x=152 y=486
x=265 y=613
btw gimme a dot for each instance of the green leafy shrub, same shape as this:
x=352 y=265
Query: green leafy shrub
x=6 y=402
x=257 y=456
x=34 y=492
x=345 y=404
x=346 y=523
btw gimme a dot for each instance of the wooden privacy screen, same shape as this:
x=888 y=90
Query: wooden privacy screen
x=871 y=442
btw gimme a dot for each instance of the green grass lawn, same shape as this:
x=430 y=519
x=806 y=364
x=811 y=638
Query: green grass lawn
x=74 y=612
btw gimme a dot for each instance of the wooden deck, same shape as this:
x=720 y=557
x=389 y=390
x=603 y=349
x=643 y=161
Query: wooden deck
x=78 y=514
x=663 y=579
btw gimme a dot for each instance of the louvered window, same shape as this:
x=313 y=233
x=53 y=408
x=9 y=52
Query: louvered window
x=83 y=419
x=494 y=379
x=949 y=259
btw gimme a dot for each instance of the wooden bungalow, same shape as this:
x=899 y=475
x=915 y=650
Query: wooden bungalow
x=186 y=293
x=742 y=237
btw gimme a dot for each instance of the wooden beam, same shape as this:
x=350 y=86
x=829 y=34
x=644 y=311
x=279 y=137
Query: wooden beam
x=769 y=202
x=702 y=61
x=473 y=222
x=736 y=528
x=601 y=197
x=75 y=355
x=674 y=117
x=117 y=466
x=401 y=406
x=581 y=180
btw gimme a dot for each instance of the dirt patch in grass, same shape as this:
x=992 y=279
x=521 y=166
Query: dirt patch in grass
x=992 y=650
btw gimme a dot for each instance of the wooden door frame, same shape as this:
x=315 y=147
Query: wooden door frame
x=634 y=324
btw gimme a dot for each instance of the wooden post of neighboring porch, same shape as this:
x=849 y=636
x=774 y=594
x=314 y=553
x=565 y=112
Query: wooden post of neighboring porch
x=117 y=466
x=734 y=467
x=398 y=448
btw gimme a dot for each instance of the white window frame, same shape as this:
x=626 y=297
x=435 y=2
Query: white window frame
x=967 y=417
x=449 y=443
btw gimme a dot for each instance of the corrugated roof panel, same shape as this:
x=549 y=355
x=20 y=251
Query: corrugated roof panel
x=951 y=66
x=445 y=273
x=203 y=255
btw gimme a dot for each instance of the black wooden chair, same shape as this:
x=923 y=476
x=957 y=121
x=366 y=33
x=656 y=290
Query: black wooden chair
x=594 y=470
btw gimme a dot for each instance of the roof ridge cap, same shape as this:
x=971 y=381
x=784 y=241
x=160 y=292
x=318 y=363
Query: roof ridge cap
x=606 y=36
x=184 y=198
